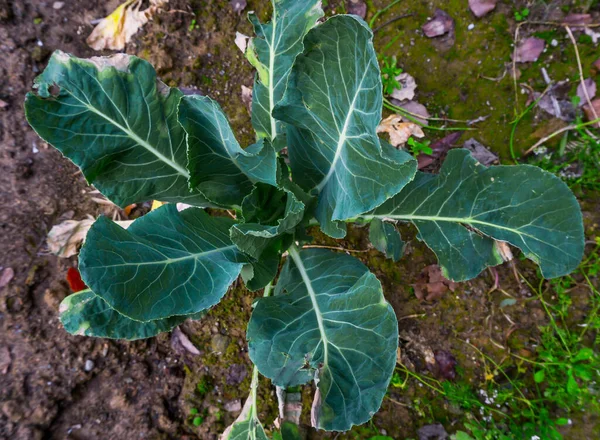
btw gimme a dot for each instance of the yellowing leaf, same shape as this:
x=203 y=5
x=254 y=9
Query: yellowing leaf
x=399 y=131
x=114 y=31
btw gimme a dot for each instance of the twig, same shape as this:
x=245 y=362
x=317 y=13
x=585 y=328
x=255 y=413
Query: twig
x=514 y=64
x=581 y=78
x=399 y=17
x=396 y=402
x=179 y=11
x=557 y=23
x=412 y=316
x=387 y=104
x=557 y=132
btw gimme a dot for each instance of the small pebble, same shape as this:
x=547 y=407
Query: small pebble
x=554 y=43
x=89 y=365
x=58 y=5
x=471 y=27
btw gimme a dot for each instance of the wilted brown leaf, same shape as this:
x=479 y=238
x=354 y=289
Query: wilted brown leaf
x=114 y=31
x=432 y=284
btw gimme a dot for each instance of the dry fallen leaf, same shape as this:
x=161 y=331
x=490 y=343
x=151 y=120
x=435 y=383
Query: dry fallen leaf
x=595 y=36
x=445 y=365
x=590 y=87
x=399 y=131
x=181 y=343
x=577 y=19
x=241 y=41
x=64 y=239
x=417 y=110
x=439 y=149
x=504 y=250
x=482 y=7
x=440 y=24
x=480 y=152
x=238 y=5
x=407 y=91
x=6 y=276
x=357 y=7
x=557 y=101
x=529 y=50
x=247 y=97
x=114 y=31
x=432 y=284
x=591 y=112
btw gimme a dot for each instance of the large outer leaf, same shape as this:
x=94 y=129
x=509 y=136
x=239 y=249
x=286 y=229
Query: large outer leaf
x=334 y=105
x=84 y=313
x=460 y=212
x=273 y=53
x=115 y=122
x=334 y=325
x=166 y=263
x=219 y=168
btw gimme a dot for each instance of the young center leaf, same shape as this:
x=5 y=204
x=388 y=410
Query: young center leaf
x=84 y=313
x=272 y=52
x=219 y=167
x=329 y=322
x=333 y=105
x=269 y=213
x=166 y=263
x=461 y=212
x=115 y=121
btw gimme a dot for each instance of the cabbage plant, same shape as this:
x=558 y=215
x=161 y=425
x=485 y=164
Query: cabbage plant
x=317 y=160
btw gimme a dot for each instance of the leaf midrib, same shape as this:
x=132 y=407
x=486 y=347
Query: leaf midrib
x=166 y=261
x=313 y=298
x=464 y=220
x=342 y=135
x=144 y=144
x=272 y=54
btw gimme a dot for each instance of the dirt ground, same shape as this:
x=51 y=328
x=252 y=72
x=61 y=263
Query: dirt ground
x=58 y=386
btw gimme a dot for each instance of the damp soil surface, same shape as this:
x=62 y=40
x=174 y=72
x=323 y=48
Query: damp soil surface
x=57 y=386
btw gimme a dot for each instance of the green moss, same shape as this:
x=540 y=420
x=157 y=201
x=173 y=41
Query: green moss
x=204 y=386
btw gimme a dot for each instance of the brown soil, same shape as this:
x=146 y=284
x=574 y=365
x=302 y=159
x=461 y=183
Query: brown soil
x=145 y=390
